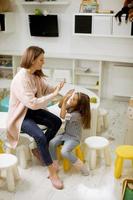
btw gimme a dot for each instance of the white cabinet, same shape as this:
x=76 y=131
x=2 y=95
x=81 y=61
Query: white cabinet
x=122 y=80
x=106 y=25
x=92 y=24
x=88 y=74
x=58 y=69
x=102 y=25
x=83 y=72
x=7 y=24
x=121 y=29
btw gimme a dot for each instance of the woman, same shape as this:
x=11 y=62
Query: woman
x=29 y=93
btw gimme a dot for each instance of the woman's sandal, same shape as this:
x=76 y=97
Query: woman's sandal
x=56 y=182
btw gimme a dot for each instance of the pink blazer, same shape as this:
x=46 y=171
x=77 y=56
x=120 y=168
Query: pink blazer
x=27 y=91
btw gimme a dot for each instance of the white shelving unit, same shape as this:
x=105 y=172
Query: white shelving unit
x=87 y=73
x=73 y=66
x=6 y=71
x=91 y=24
x=57 y=2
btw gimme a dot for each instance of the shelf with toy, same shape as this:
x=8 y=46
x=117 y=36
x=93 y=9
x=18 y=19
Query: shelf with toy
x=49 y=3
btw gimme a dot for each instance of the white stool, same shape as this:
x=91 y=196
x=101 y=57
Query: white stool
x=94 y=144
x=8 y=162
x=102 y=121
x=22 y=150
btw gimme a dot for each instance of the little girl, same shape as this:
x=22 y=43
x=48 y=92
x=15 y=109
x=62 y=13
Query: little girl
x=76 y=106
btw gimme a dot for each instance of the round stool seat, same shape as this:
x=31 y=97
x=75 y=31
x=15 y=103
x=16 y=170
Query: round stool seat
x=125 y=151
x=96 y=142
x=8 y=163
x=7 y=160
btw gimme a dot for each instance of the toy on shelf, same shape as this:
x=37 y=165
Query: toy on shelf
x=126 y=9
x=89 y=6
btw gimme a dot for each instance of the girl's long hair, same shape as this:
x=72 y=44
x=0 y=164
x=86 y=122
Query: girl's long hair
x=29 y=56
x=83 y=107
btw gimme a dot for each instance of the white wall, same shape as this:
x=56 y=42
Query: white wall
x=66 y=42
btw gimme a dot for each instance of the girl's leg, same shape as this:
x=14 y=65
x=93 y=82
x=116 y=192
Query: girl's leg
x=67 y=153
x=67 y=148
x=56 y=141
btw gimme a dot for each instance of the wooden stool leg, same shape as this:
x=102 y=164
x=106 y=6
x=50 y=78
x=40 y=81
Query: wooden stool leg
x=92 y=158
x=22 y=157
x=27 y=153
x=2 y=181
x=106 y=121
x=16 y=172
x=118 y=167
x=107 y=156
x=10 y=179
x=79 y=153
x=66 y=164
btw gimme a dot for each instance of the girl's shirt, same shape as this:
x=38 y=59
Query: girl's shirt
x=73 y=127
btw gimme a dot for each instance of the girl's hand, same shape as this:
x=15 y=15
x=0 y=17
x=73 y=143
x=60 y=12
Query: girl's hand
x=66 y=97
x=70 y=92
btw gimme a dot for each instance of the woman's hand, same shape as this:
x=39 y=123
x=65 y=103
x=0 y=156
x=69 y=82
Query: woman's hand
x=59 y=87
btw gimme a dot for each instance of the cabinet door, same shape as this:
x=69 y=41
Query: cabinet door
x=83 y=24
x=121 y=29
x=122 y=81
x=2 y=22
x=102 y=25
x=6 y=22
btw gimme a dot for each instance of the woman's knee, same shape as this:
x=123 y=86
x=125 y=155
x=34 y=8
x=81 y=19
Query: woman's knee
x=41 y=139
x=58 y=122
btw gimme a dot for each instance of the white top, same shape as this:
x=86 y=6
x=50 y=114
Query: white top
x=96 y=142
x=7 y=160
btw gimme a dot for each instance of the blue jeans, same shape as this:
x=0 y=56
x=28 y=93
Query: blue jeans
x=66 y=151
x=30 y=126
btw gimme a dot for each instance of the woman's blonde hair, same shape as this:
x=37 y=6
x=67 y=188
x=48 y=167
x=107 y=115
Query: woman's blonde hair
x=83 y=107
x=29 y=56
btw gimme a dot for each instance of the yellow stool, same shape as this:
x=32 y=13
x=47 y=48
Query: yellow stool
x=66 y=162
x=122 y=152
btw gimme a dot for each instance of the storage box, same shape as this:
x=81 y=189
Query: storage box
x=127 y=189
